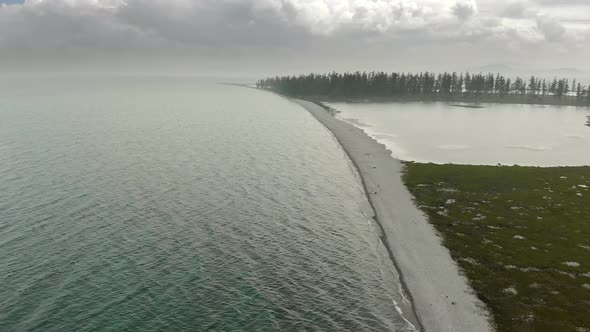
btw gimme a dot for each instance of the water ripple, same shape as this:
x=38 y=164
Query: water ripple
x=173 y=207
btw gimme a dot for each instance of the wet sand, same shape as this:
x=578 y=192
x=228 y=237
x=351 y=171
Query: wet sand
x=441 y=296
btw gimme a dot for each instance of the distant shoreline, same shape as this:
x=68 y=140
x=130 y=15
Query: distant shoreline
x=430 y=87
x=473 y=102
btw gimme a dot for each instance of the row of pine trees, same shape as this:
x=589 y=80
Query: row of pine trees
x=381 y=84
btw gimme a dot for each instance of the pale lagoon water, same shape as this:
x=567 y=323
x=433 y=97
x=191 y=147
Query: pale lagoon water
x=497 y=133
x=172 y=204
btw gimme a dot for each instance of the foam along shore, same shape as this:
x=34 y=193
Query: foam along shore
x=441 y=296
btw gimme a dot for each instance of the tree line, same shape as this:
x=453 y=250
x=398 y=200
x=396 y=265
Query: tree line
x=381 y=84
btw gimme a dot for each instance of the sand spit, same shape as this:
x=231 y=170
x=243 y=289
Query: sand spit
x=441 y=296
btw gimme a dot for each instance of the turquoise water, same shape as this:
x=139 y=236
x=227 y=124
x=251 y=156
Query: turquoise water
x=169 y=204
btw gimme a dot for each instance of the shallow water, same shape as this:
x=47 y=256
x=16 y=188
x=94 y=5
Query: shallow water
x=497 y=133
x=171 y=204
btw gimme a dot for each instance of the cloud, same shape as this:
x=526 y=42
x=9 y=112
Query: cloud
x=203 y=23
x=518 y=10
x=465 y=9
x=551 y=28
x=61 y=24
x=264 y=28
x=563 y=2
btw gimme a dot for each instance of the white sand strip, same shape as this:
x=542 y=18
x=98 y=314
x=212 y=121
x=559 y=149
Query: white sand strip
x=442 y=298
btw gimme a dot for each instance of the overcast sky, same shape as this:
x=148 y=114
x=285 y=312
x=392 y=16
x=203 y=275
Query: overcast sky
x=272 y=36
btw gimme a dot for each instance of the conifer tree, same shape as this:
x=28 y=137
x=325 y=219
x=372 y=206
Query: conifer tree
x=532 y=85
x=445 y=85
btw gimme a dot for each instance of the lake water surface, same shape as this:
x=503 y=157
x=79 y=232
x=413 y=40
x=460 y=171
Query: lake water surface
x=497 y=133
x=170 y=204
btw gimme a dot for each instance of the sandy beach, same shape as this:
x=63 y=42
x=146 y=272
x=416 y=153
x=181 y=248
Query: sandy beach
x=441 y=295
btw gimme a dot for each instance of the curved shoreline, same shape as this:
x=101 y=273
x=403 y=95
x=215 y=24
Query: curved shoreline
x=441 y=297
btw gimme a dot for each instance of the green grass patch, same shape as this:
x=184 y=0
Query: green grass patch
x=520 y=234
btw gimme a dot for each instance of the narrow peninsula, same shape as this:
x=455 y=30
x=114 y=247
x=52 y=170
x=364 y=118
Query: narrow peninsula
x=441 y=296
x=478 y=248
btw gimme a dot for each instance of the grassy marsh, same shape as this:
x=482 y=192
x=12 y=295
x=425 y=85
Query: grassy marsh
x=520 y=234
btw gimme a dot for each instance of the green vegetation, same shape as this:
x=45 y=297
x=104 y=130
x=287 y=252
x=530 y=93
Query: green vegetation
x=520 y=234
x=430 y=86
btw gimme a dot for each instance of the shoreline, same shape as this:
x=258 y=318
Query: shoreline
x=568 y=101
x=441 y=297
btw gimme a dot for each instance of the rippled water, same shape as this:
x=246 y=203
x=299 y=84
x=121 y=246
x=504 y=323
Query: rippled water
x=497 y=133
x=159 y=204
